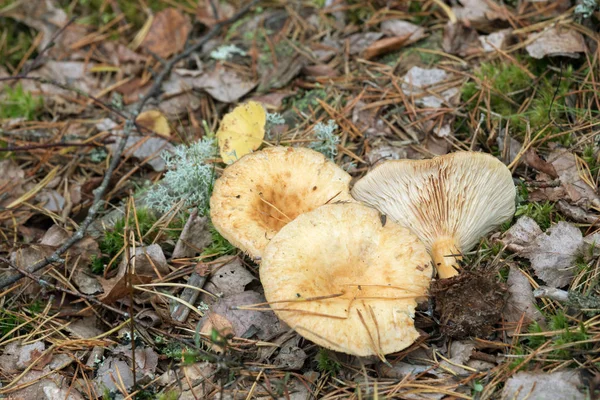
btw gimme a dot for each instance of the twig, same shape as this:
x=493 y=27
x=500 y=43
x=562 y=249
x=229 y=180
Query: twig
x=129 y=125
x=50 y=145
x=45 y=283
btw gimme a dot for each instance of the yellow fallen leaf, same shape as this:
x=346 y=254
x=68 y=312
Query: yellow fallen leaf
x=154 y=121
x=241 y=131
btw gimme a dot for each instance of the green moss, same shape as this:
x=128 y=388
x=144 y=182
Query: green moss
x=19 y=39
x=18 y=103
x=113 y=241
x=219 y=245
x=543 y=213
x=326 y=364
x=308 y=99
x=508 y=84
x=100 y=12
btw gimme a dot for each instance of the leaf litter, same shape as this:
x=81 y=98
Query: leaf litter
x=399 y=80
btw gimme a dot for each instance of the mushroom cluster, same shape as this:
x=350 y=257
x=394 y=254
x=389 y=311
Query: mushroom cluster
x=332 y=267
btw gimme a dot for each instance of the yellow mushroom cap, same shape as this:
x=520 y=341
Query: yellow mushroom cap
x=449 y=202
x=263 y=191
x=344 y=280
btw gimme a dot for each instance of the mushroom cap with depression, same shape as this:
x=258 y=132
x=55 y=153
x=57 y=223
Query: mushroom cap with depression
x=343 y=278
x=449 y=202
x=261 y=192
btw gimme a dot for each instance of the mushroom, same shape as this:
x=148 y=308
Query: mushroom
x=347 y=280
x=263 y=191
x=449 y=202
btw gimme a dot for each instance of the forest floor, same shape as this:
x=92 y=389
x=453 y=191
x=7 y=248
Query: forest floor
x=95 y=95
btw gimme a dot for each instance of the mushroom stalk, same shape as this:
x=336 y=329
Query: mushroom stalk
x=445 y=254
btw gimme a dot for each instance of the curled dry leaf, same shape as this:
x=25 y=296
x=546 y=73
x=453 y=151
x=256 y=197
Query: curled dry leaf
x=573 y=187
x=230 y=279
x=194 y=237
x=168 y=33
x=520 y=305
x=496 y=41
x=155 y=122
x=400 y=28
x=523 y=232
x=224 y=85
x=553 y=254
x=421 y=83
x=242 y=323
x=540 y=385
x=556 y=42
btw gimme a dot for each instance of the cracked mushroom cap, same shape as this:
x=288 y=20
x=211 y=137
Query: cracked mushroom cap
x=263 y=191
x=449 y=202
x=343 y=279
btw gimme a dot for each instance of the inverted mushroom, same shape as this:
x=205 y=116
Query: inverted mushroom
x=263 y=191
x=345 y=280
x=449 y=202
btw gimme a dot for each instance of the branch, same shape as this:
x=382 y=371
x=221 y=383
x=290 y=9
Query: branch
x=129 y=125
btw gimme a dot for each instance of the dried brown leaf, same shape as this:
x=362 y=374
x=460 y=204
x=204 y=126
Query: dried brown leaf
x=168 y=33
x=556 y=42
x=553 y=254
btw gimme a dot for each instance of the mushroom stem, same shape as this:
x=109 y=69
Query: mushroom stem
x=445 y=254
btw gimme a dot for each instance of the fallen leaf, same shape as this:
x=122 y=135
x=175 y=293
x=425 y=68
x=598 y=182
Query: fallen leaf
x=319 y=70
x=496 y=41
x=400 y=28
x=241 y=131
x=147 y=260
x=541 y=386
x=43 y=15
x=224 y=85
x=84 y=328
x=520 y=305
x=12 y=181
x=368 y=120
x=384 y=46
x=168 y=33
x=194 y=237
x=556 y=42
x=244 y=323
x=230 y=279
x=41 y=385
x=51 y=200
x=359 y=42
x=147 y=149
x=205 y=12
x=30 y=353
x=459 y=354
x=460 y=40
x=273 y=100
x=477 y=12
x=521 y=234
x=573 y=187
x=290 y=356
x=553 y=254
x=155 y=122
x=383 y=151
x=419 y=81
x=278 y=74
x=112 y=375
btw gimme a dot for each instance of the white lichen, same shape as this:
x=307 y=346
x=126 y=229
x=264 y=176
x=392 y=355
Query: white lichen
x=225 y=52
x=326 y=139
x=189 y=179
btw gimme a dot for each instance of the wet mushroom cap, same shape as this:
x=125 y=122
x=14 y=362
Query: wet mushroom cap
x=345 y=280
x=449 y=202
x=263 y=191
